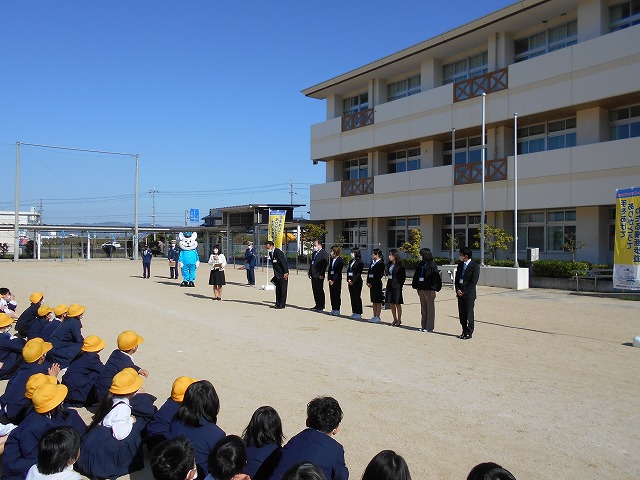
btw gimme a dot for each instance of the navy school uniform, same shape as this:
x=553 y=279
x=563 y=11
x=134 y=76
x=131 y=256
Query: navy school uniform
x=158 y=427
x=21 y=449
x=203 y=439
x=10 y=355
x=316 y=447
x=36 y=327
x=70 y=418
x=81 y=377
x=48 y=330
x=67 y=342
x=26 y=318
x=13 y=401
x=261 y=461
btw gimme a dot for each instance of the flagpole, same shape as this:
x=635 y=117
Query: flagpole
x=453 y=183
x=484 y=98
x=515 y=189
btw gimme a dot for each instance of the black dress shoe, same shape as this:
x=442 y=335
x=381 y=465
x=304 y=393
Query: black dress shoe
x=279 y=307
x=462 y=336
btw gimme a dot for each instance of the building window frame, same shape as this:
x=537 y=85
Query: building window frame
x=399 y=230
x=355 y=169
x=624 y=15
x=545 y=41
x=552 y=135
x=468 y=150
x=624 y=122
x=355 y=233
x=464 y=228
x=404 y=88
x=465 y=68
x=355 y=104
x=405 y=160
x=548 y=229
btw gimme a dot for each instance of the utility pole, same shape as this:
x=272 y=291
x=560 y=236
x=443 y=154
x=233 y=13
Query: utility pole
x=153 y=192
x=40 y=210
x=291 y=189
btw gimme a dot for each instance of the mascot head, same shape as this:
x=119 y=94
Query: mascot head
x=187 y=240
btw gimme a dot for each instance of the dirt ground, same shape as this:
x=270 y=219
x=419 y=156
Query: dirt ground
x=549 y=386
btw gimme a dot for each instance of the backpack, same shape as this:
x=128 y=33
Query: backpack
x=435 y=280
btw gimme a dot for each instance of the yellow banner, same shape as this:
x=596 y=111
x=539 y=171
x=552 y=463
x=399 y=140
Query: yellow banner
x=626 y=253
x=276 y=226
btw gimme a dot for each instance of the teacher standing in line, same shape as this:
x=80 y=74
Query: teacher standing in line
x=354 y=280
x=317 y=270
x=335 y=279
x=280 y=273
x=467 y=275
x=250 y=262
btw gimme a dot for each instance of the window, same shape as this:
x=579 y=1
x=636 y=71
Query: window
x=464 y=69
x=399 y=230
x=624 y=15
x=468 y=150
x=354 y=233
x=547 y=136
x=404 y=160
x=553 y=225
x=465 y=228
x=403 y=88
x=612 y=228
x=355 y=169
x=624 y=123
x=546 y=41
x=355 y=104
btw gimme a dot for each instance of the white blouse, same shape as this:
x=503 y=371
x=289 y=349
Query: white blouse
x=220 y=259
x=119 y=419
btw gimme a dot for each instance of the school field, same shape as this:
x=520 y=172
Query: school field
x=549 y=386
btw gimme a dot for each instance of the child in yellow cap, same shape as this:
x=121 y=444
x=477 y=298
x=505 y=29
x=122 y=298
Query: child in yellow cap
x=120 y=358
x=67 y=339
x=158 y=428
x=10 y=348
x=113 y=444
x=45 y=315
x=83 y=372
x=60 y=313
x=30 y=314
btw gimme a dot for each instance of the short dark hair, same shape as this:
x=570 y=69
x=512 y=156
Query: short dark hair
x=377 y=251
x=387 y=465
x=304 y=471
x=173 y=459
x=265 y=428
x=216 y=246
x=490 y=471
x=200 y=400
x=466 y=251
x=227 y=458
x=57 y=449
x=356 y=252
x=4 y=290
x=324 y=414
x=426 y=254
x=270 y=242
x=318 y=241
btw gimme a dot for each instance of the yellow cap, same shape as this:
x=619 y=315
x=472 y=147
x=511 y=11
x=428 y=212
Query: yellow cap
x=44 y=310
x=35 y=297
x=75 y=310
x=128 y=340
x=60 y=309
x=5 y=320
x=34 y=349
x=37 y=380
x=126 y=381
x=180 y=386
x=93 y=343
x=47 y=397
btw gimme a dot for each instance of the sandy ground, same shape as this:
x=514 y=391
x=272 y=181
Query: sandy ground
x=549 y=387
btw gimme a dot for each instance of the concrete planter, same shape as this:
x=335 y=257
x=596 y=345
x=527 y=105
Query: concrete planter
x=586 y=285
x=504 y=277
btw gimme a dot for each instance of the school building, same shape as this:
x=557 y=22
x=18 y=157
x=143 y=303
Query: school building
x=570 y=69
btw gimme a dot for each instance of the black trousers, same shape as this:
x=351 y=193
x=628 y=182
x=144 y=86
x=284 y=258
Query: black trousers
x=355 y=292
x=281 y=291
x=173 y=272
x=465 y=311
x=335 y=292
x=317 y=285
x=146 y=270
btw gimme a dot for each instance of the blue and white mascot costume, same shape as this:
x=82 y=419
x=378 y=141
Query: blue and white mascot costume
x=188 y=259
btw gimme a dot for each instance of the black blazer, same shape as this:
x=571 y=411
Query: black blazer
x=279 y=263
x=426 y=272
x=354 y=270
x=469 y=280
x=397 y=277
x=336 y=276
x=376 y=273
x=319 y=262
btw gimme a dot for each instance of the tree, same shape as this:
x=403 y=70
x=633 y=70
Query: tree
x=313 y=231
x=494 y=239
x=447 y=242
x=412 y=247
x=571 y=244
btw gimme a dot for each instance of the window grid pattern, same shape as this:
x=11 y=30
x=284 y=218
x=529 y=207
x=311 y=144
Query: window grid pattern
x=355 y=104
x=355 y=232
x=546 y=41
x=547 y=136
x=399 y=230
x=546 y=230
x=624 y=123
x=468 y=150
x=403 y=88
x=355 y=169
x=624 y=15
x=465 y=228
x=464 y=69
x=403 y=160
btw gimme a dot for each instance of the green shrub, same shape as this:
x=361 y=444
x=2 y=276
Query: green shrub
x=443 y=260
x=558 y=268
x=602 y=265
x=411 y=263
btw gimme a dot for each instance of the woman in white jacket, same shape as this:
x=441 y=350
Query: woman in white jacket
x=217 y=261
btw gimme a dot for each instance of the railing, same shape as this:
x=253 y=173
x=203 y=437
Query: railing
x=361 y=186
x=474 y=87
x=357 y=120
x=472 y=172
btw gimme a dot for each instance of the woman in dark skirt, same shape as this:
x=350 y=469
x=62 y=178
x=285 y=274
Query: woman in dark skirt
x=395 y=280
x=217 y=261
x=374 y=282
x=354 y=279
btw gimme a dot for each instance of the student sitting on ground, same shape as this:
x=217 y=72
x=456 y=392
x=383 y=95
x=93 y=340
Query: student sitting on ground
x=58 y=450
x=7 y=302
x=196 y=419
x=83 y=372
x=304 y=471
x=67 y=339
x=228 y=459
x=174 y=460
x=112 y=446
x=60 y=313
x=315 y=444
x=387 y=465
x=30 y=314
x=10 y=349
x=263 y=438
x=13 y=400
x=490 y=471
x=45 y=315
x=158 y=427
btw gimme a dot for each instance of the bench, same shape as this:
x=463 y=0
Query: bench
x=593 y=274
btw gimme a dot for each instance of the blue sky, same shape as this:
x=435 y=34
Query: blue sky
x=207 y=92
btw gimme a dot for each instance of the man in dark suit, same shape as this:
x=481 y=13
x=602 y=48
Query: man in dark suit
x=317 y=270
x=467 y=275
x=280 y=273
x=315 y=444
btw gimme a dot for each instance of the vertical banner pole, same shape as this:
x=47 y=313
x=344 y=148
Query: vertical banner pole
x=453 y=183
x=484 y=146
x=515 y=189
